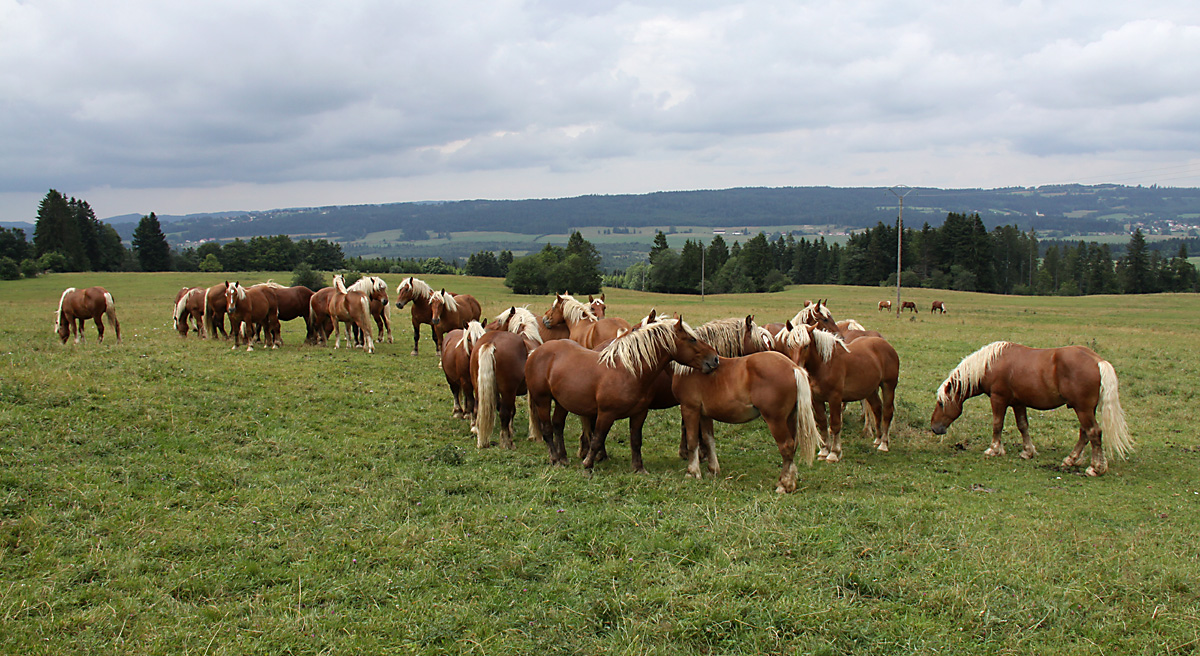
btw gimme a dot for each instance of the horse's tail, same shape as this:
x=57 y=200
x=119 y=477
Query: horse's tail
x=806 y=424
x=365 y=304
x=208 y=319
x=535 y=428
x=485 y=396
x=868 y=419
x=1115 y=433
x=110 y=311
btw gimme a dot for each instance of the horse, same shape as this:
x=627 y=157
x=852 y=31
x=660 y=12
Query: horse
x=252 y=310
x=189 y=304
x=938 y=306
x=850 y=330
x=602 y=387
x=215 y=309
x=76 y=306
x=909 y=305
x=498 y=369
x=596 y=303
x=449 y=311
x=456 y=367
x=766 y=385
x=840 y=372
x=292 y=303
x=341 y=306
x=381 y=309
x=885 y=305
x=585 y=327
x=418 y=292
x=1021 y=377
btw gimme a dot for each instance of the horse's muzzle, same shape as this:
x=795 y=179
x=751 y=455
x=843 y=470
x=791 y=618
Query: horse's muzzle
x=710 y=364
x=399 y=305
x=435 y=321
x=546 y=322
x=938 y=429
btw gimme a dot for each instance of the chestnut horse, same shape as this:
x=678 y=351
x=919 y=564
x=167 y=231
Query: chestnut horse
x=766 y=385
x=189 y=304
x=456 y=367
x=381 y=309
x=292 y=303
x=76 y=306
x=215 y=309
x=339 y=305
x=252 y=310
x=449 y=311
x=909 y=305
x=938 y=306
x=596 y=303
x=850 y=330
x=602 y=387
x=1021 y=377
x=840 y=372
x=885 y=305
x=585 y=327
x=498 y=369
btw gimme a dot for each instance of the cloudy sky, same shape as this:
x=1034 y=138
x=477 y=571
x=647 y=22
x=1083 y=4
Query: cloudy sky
x=181 y=107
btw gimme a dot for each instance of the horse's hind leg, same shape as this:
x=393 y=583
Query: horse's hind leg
x=999 y=407
x=822 y=429
x=455 y=391
x=77 y=327
x=785 y=439
x=1021 y=415
x=99 y=328
x=708 y=442
x=1089 y=431
x=835 y=430
x=874 y=408
x=507 y=410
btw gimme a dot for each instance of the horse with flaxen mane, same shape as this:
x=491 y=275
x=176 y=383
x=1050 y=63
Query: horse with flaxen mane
x=339 y=305
x=252 y=311
x=189 y=305
x=418 y=292
x=498 y=372
x=766 y=385
x=215 y=309
x=585 y=327
x=449 y=311
x=381 y=309
x=850 y=330
x=456 y=367
x=76 y=306
x=597 y=305
x=865 y=369
x=885 y=305
x=909 y=305
x=1021 y=377
x=939 y=307
x=292 y=303
x=602 y=387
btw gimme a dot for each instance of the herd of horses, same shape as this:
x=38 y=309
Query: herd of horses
x=797 y=375
x=937 y=306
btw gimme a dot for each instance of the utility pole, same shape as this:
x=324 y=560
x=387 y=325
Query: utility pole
x=702 y=272
x=900 y=192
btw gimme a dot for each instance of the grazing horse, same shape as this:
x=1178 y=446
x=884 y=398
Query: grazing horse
x=252 y=310
x=189 y=304
x=885 y=305
x=292 y=303
x=761 y=384
x=76 y=306
x=602 y=387
x=840 y=372
x=938 y=306
x=339 y=305
x=215 y=309
x=1021 y=377
x=381 y=309
x=456 y=366
x=449 y=311
x=585 y=327
x=909 y=305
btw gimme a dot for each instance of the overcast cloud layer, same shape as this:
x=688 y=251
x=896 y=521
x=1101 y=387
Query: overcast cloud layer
x=179 y=107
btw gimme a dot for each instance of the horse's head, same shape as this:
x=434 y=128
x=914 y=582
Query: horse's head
x=795 y=341
x=234 y=294
x=690 y=351
x=404 y=292
x=755 y=338
x=554 y=316
x=439 y=303
x=947 y=408
x=596 y=304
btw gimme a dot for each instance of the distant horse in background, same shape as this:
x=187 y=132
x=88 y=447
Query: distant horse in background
x=215 y=309
x=381 y=309
x=761 y=384
x=885 y=305
x=292 y=303
x=909 y=305
x=585 y=327
x=866 y=369
x=76 y=306
x=449 y=311
x=456 y=367
x=1021 y=377
x=938 y=306
x=252 y=311
x=189 y=305
x=602 y=387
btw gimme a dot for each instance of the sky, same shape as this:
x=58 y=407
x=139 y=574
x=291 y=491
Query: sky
x=186 y=107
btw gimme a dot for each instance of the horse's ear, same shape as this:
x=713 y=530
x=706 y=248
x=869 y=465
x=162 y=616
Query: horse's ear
x=787 y=325
x=590 y=299
x=653 y=315
x=601 y=298
x=749 y=320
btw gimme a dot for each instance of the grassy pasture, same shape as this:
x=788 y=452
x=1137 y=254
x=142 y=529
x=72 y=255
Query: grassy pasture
x=176 y=496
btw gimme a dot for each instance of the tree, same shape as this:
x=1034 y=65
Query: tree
x=57 y=230
x=483 y=264
x=1135 y=266
x=304 y=276
x=526 y=275
x=13 y=244
x=150 y=245
x=9 y=269
x=210 y=263
x=660 y=244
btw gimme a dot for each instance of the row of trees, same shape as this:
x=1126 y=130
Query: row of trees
x=960 y=254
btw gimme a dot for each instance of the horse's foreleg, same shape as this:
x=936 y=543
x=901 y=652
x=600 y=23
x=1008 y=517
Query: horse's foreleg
x=1019 y=413
x=999 y=407
x=558 y=449
x=585 y=436
x=708 y=445
x=690 y=425
x=416 y=337
x=636 y=423
x=601 y=424
x=822 y=428
x=77 y=328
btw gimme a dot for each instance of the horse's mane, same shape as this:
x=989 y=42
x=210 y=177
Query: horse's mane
x=471 y=334
x=58 y=317
x=181 y=306
x=851 y=324
x=448 y=300
x=420 y=289
x=241 y=291
x=810 y=312
x=724 y=335
x=574 y=311
x=638 y=349
x=523 y=323
x=368 y=285
x=271 y=284
x=799 y=337
x=970 y=371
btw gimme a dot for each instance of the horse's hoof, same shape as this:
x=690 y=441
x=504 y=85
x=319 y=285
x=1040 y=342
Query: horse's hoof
x=1068 y=462
x=1026 y=455
x=882 y=447
x=414 y=353
x=639 y=470
x=1091 y=471
x=693 y=474
x=992 y=453
x=833 y=457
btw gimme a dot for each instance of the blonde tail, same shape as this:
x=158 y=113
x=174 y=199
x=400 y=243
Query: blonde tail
x=110 y=311
x=209 y=325
x=535 y=428
x=485 y=396
x=369 y=342
x=1115 y=433
x=806 y=424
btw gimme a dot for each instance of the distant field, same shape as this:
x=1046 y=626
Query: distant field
x=170 y=496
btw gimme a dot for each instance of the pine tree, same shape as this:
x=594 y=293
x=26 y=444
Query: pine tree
x=150 y=245
x=57 y=230
x=1135 y=266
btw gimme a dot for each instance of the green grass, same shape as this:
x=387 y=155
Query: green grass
x=176 y=496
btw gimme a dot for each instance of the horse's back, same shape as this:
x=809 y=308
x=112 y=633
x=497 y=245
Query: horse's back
x=473 y=310
x=879 y=352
